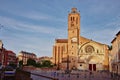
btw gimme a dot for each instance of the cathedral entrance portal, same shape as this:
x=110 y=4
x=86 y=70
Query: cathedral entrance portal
x=92 y=67
x=93 y=63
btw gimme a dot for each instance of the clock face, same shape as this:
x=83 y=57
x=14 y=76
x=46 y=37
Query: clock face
x=74 y=39
x=72 y=24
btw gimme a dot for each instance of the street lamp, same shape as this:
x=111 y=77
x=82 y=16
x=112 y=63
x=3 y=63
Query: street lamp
x=67 y=69
x=1 y=50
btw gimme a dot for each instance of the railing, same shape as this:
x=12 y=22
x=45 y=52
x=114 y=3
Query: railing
x=27 y=75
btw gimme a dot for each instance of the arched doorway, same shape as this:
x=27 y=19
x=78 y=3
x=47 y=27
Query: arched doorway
x=92 y=65
x=93 y=62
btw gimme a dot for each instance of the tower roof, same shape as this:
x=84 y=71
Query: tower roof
x=74 y=10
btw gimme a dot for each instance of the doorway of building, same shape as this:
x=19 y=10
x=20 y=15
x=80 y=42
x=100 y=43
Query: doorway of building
x=92 y=67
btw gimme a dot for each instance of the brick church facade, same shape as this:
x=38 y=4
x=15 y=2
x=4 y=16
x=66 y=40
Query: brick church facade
x=78 y=52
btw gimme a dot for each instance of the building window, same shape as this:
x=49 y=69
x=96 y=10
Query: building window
x=89 y=49
x=97 y=51
x=77 y=20
x=72 y=24
x=81 y=51
x=71 y=18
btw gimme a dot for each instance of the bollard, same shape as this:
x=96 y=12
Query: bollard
x=54 y=74
x=68 y=75
x=77 y=75
x=85 y=75
x=62 y=74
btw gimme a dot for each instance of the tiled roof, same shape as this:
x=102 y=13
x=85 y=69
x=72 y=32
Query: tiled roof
x=61 y=40
x=113 y=40
x=118 y=33
x=9 y=51
x=24 y=52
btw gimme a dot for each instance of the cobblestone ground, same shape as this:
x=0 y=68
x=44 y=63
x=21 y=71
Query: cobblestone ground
x=74 y=75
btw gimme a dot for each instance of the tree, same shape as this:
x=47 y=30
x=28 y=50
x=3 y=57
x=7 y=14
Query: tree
x=31 y=62
x=38 y=64
x=21 y=63
x=46 y=63
x=110 y=47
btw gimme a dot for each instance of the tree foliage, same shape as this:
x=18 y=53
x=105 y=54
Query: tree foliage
x=110 y=47
x=43 y=63
x=46 y=63
x=21 y=63
x=31 y=62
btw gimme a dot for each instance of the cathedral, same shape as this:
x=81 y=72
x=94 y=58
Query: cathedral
x=78 y=52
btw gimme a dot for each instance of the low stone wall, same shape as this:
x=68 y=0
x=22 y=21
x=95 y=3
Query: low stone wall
x=22 y=75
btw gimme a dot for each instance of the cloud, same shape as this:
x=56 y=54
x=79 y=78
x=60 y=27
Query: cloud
x=22 y=26
x=103 y=32
x=114 y=23
x=35 y=16
x=38 y=40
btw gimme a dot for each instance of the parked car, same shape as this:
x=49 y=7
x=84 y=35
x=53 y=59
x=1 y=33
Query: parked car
x=9 y=71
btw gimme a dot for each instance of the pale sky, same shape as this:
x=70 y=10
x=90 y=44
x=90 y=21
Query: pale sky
x=33 y=25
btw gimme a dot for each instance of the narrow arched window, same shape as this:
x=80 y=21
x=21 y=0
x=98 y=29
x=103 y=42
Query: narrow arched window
x=77 y=20
x=71 y=18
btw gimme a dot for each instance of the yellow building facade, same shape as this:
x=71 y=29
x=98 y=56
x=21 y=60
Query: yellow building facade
x=115 y=55
x=77 y=52
x=24 y=56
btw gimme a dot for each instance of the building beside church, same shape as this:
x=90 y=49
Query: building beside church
x=9 y=58
x=78 y=52
x=1 y=53
x=24 y=56
x=115 y=55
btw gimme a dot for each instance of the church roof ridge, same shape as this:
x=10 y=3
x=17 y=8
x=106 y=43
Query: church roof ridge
x=61 y=40
x=92 y=40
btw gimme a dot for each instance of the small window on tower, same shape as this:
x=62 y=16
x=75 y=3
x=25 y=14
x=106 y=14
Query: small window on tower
x=77 y=20
x=97 y=51
x=71 y=18
x=72 y=24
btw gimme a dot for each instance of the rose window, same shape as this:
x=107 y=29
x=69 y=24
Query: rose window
x=89 y=49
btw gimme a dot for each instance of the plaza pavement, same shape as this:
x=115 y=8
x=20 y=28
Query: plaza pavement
x=74 y=75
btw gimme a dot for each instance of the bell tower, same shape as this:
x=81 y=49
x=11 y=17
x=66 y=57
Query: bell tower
x=73 y=35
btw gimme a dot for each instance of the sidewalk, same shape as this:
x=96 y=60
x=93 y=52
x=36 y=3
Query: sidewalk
x=76 y=75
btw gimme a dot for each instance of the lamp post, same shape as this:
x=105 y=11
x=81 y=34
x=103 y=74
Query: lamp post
x=67 y=69
x=67 y=62
x=1 y=50
x=1 y=47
